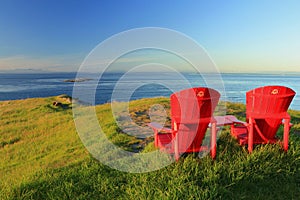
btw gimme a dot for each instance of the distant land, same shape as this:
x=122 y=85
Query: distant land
x=77 y=80
x=26 y=71
x=33 y=71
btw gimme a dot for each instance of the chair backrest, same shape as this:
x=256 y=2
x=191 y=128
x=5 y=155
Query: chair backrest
x=269 y=100
x=266 y=103
x=192 y=110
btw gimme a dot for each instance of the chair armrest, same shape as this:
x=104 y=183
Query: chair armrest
x=287 y=117
x=237 y=121
x=159 y=128
x=290 y=124
x=228 y=120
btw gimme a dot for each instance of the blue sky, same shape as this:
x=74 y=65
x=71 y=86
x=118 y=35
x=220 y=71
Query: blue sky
x=240 y=36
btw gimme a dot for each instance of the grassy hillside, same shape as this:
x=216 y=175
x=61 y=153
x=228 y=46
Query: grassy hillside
x=36 y=136
x=42 y=157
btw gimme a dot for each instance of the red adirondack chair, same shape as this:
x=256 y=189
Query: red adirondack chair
x=191 y=114
x=266 y=110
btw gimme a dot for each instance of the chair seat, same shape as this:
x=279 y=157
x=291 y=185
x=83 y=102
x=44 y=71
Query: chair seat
x=163 y=139
x=241 y=134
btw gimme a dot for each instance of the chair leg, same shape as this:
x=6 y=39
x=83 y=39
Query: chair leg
x=250 y=135
x=213 y=140
x=286 y=134
x=155 y=138
x=176 y=150
x=175 y=142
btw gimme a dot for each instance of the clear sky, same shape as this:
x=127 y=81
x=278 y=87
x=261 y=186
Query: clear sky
x=240 y=36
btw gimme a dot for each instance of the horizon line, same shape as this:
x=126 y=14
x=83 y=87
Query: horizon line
x=39 y=71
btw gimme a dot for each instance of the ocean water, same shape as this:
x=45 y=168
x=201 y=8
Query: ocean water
x=124 y=87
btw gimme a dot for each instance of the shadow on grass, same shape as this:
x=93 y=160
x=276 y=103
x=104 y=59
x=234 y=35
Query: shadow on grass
x=59 y=108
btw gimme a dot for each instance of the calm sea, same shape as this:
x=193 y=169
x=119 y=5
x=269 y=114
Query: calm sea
x=115 y=86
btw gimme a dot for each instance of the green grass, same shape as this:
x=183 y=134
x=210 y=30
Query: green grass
x=42 y=157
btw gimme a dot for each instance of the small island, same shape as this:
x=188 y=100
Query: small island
x=77 y=80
